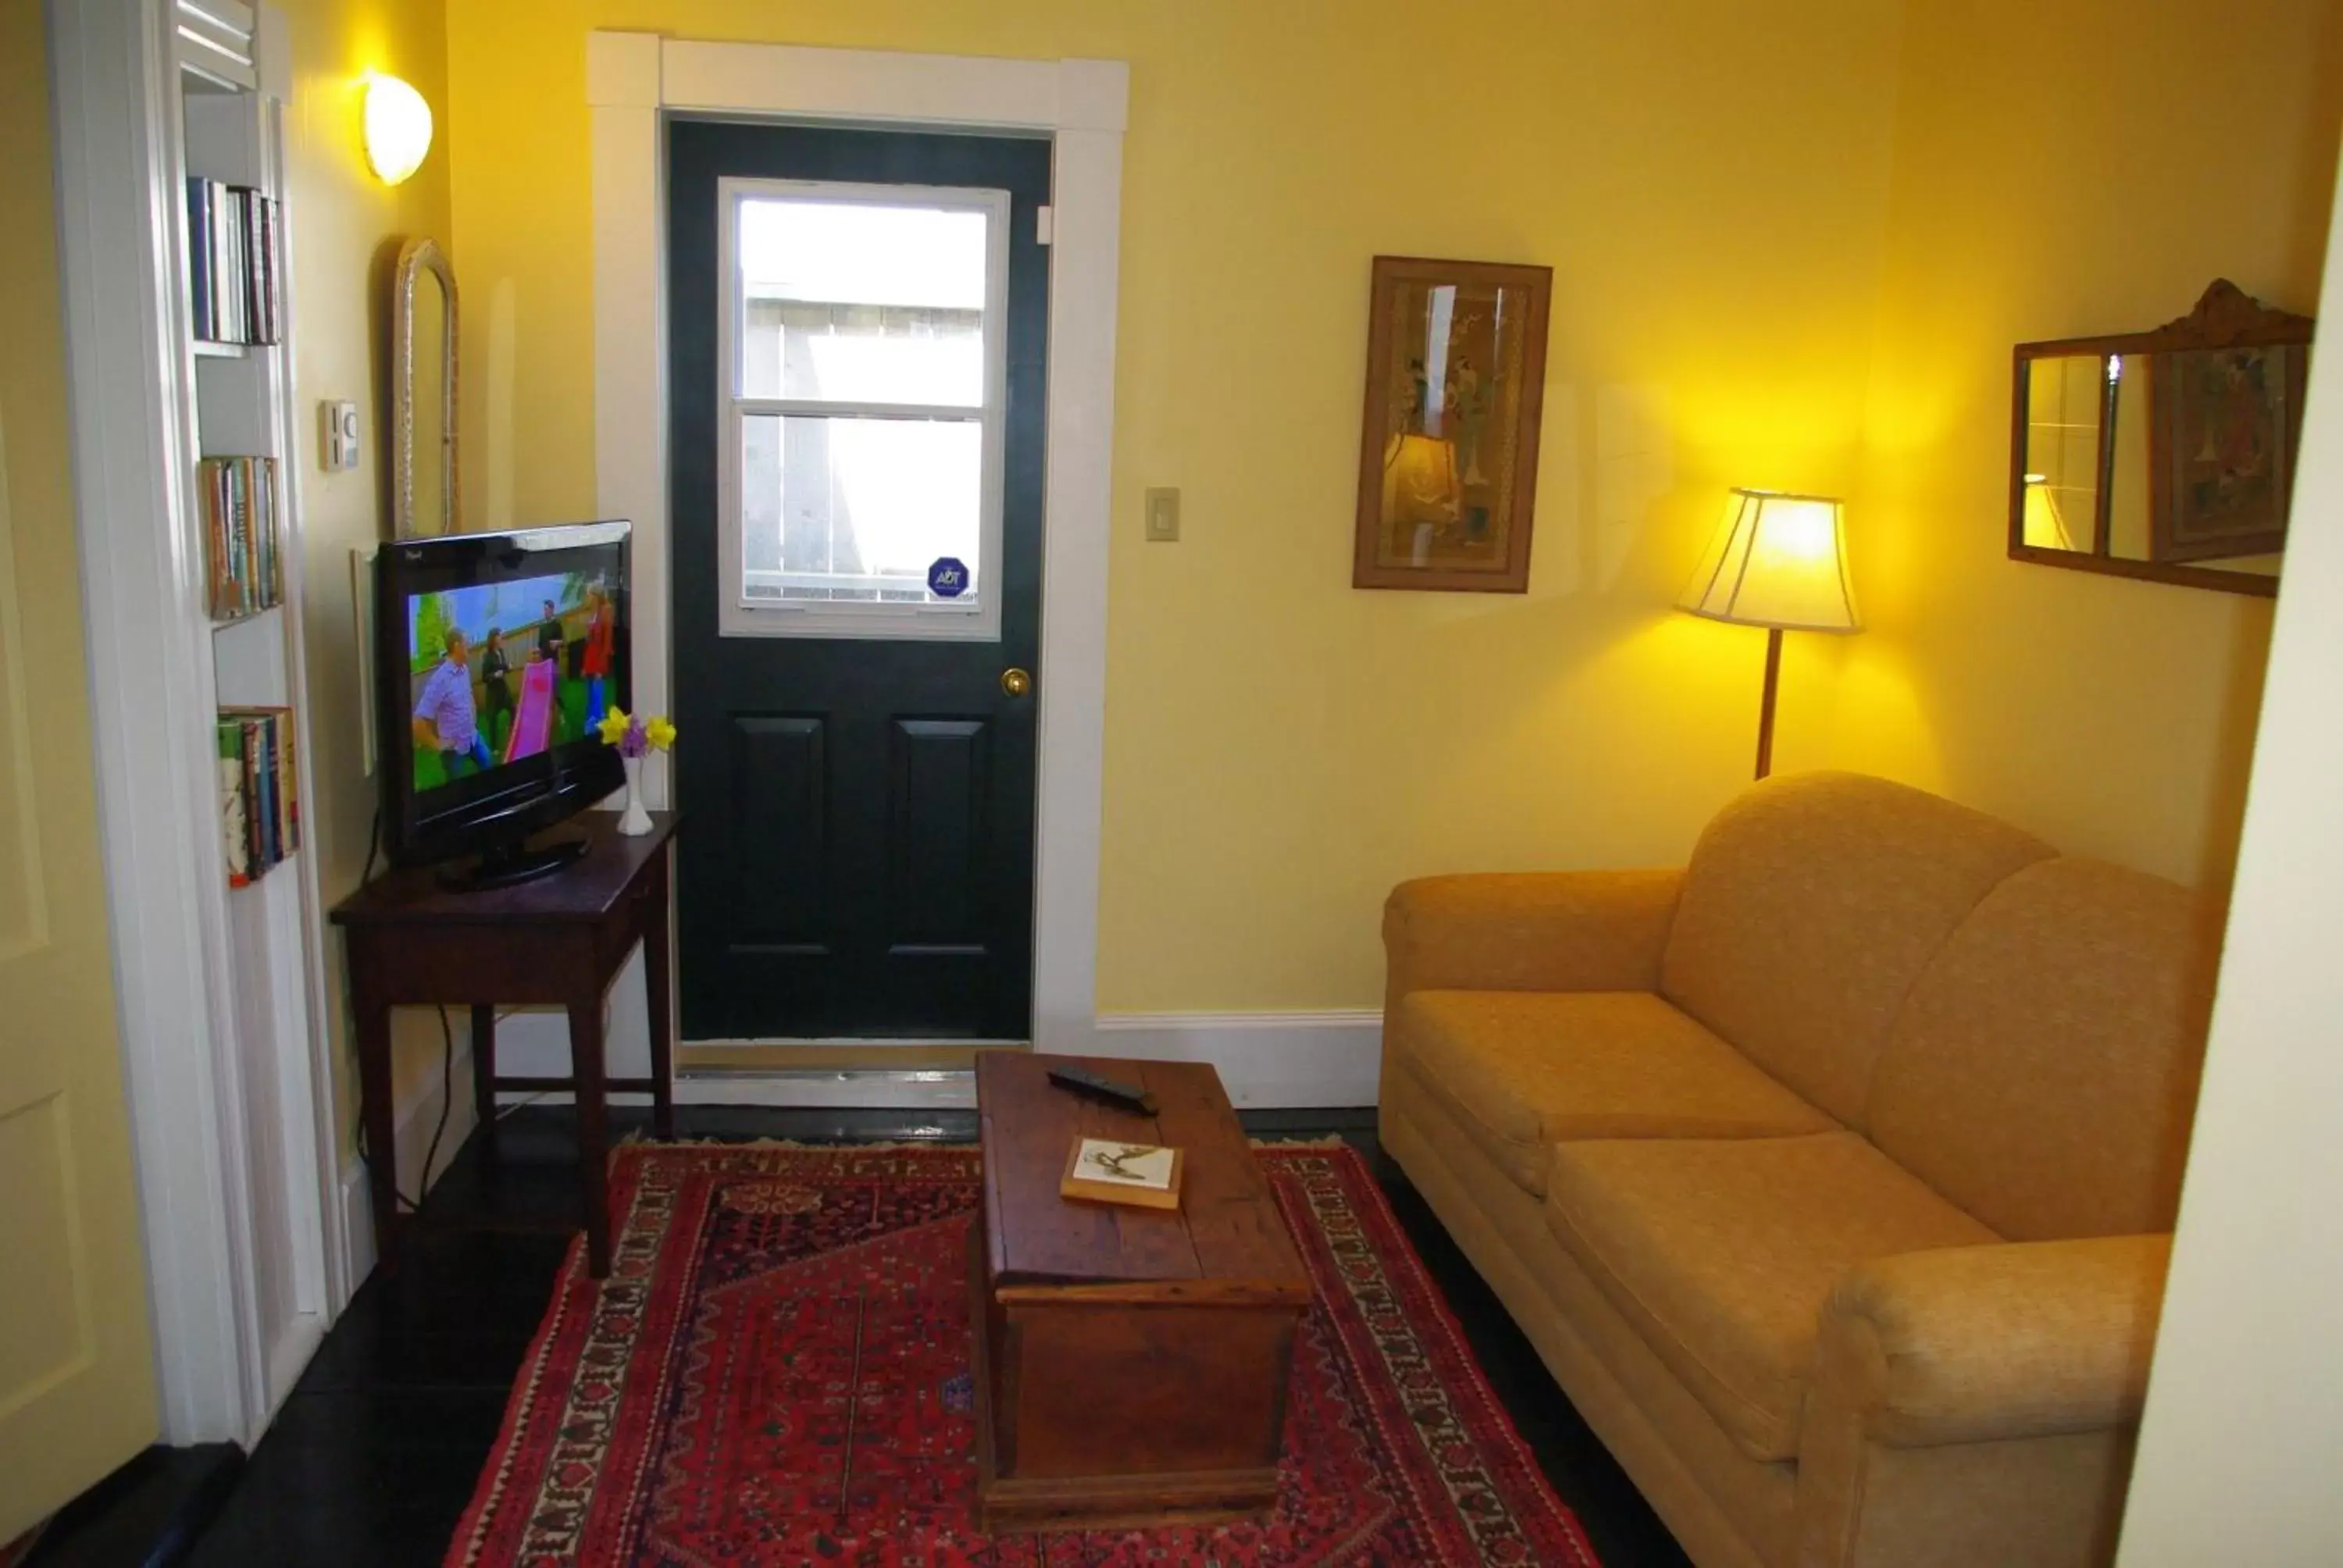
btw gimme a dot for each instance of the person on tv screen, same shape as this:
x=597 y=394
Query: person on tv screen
x=444 y=720
x=548 y=636
x=596 y=663
x=495 y=688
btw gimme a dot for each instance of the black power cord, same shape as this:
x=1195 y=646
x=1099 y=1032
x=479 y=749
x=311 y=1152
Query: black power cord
x=447 y=1059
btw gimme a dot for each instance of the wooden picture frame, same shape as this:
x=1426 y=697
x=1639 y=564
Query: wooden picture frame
x=2224 y=425
x=1448 y=442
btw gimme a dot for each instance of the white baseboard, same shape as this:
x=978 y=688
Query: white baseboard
x=417 y=1117
x=1267 y=1061
x=826 y=1091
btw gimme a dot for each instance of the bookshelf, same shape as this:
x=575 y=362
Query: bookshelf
x=225 y=114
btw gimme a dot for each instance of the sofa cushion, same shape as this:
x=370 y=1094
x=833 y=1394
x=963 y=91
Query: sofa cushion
x=1811 y=905
x=2043 y=1074
x=1522 y=1069
x=1723 y=1252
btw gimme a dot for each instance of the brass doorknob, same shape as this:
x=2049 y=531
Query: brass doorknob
x=1016 y=682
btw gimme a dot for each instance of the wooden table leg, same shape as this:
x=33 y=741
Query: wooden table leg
x=658 y=982
x=376 y=1112
x=484 y=1076
x=593 y=1129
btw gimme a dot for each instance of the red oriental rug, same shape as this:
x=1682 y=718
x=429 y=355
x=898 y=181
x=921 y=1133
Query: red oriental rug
x=776 y=1373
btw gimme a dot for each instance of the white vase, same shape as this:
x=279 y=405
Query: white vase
x=634 y=821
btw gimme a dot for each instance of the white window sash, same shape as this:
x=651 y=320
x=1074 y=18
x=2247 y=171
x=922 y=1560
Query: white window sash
x=738 y=614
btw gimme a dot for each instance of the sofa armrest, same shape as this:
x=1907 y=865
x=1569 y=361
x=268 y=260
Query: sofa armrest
x=1557 y=930
x=1970 y=1344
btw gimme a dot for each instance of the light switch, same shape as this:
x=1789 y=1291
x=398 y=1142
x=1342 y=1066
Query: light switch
x=338 y=436
x=1163 y=517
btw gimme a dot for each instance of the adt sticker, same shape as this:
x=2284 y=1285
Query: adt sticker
x=947 y=579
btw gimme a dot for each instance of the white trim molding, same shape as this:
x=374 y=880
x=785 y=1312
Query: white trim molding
x=233 y=1138
x=1267 y=1061
x=634 y=81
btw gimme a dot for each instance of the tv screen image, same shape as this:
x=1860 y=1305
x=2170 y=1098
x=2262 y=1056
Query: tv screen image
x=496 y=656
x=503 y=671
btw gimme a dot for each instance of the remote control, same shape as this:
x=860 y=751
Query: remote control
x=1122 y=1096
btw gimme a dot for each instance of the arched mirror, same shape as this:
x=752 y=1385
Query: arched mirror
x=423 y=383
x=2165 y=455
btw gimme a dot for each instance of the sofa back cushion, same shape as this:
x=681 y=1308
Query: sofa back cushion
x=1811 y=905
x=2043 y=1075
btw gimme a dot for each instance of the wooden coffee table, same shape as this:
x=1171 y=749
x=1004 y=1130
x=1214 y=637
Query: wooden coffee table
x=1131 y=1365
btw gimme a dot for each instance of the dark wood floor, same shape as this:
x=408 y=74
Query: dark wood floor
x=374 y=1456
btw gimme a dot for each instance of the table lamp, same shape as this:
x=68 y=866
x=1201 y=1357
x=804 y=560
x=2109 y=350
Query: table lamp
x=1778 y=561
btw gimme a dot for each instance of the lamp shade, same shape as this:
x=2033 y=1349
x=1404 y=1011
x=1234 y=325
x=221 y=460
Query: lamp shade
x=1776 y=561
x=1420 y=479
x=2046 y=526
x=397 y=128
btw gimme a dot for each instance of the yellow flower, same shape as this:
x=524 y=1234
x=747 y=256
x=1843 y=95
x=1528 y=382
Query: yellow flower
x=613 y=727
x=660 y=733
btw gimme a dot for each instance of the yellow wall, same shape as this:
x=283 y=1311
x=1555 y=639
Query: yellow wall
x=347 y=228
x=1281 y=749
x=1791 y=247
x=2062 y=170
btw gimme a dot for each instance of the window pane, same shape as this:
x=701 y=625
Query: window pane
x=836 y=509
x=854 y=302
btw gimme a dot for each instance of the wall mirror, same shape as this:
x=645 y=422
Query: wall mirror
x=2165 y=455
x=423 y=385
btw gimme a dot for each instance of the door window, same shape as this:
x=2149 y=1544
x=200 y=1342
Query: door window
x=861 y=399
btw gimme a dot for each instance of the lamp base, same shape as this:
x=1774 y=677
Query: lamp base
x=1766 y=708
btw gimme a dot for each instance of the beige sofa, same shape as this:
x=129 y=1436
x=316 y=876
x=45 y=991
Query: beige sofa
x=1832 y=1175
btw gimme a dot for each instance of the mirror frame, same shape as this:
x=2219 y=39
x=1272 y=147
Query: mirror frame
x=416 y=257
x=2224 y=317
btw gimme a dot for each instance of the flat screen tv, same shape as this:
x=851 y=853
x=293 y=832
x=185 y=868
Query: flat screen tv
x=496 y=655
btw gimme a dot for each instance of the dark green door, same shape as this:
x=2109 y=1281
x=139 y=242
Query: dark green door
x=858 y=342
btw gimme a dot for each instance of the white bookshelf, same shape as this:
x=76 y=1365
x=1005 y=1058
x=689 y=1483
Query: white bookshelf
x=220 y=992
x=227 y=105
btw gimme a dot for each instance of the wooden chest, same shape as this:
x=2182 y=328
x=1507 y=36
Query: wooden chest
x=1131 y=1365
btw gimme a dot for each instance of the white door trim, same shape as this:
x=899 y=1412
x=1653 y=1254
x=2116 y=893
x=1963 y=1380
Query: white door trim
x=633 y=81
x=152 y=690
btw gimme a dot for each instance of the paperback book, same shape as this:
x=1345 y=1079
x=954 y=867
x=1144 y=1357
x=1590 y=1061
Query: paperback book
x=260 y=804
x=1109 y=1171
x=234 y=267
x=240 y=505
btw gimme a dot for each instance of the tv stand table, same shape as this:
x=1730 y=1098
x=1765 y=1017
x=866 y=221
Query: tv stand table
x=560 y=939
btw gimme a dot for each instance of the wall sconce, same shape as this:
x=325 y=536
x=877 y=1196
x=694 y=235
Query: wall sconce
x=397 y=128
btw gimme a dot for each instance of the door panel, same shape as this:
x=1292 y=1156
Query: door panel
x=858 y=860
x=780 y=773
x=76 y=1375
x=939 y=787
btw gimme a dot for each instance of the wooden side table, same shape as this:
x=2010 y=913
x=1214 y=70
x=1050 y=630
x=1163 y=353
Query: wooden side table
x=560 y=939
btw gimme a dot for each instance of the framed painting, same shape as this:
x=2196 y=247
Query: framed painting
x=2224 y=427
x=1448 y=450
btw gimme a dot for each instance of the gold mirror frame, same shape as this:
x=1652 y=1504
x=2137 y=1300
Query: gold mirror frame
x=2225 y=316
x=416 y=257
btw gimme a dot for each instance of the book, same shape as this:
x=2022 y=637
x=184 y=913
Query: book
x=240 y=500
x=260 y=821
x=235 y=263
x=230 y=745
x=1110 y=1170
